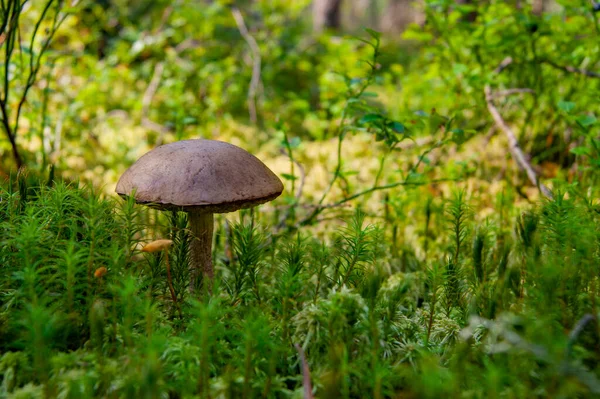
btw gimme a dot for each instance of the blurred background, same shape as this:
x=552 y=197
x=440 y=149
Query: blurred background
x=91 y=86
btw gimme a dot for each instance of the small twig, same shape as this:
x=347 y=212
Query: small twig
x=147 y=101
x=187 y=44
x=386 y=187
x=320 y=207
x=256 y=60
x=228 y=243
x=491 y=132
x=161 y=129
x=302 y=180
x=576 y=332
x=419 y=142
x=505 y=62
x=571 y=69
x=513 y=144
x=305 y=373
x=152 y=87
x=509 y=92
x=343 y=201
x=170 y=283
x=298 y=195
x=165 y=18
x=309 y=206
x=58 y=129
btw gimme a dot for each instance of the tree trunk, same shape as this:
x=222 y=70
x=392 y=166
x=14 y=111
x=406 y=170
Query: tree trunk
x=398 y=14
x=326 y=14
x=363 y=13
x=539 y=6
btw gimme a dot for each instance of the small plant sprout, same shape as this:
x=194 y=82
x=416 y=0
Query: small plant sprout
x=200 y=177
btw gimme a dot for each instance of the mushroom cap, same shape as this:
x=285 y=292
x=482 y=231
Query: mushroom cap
x=199 y=175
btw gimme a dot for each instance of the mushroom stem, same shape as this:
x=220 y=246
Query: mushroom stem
x=201 y=225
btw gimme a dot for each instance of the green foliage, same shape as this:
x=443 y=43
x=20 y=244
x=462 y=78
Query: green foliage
x=248 y=249
x=424 y=288
x=363 y=327
x=554 y=54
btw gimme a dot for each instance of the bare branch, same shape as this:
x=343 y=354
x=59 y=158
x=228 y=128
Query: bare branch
x=510 y=92
x=505 y=62
x=147 y=101
x=571 y=69
x=10 y=33
x=58 y=129
x=513 y=144
x=418 y=142
x=10 y=135
x=405 y=183
x=157 y=127
x=186 y=45
x=320 y=207
x=152 y=87
x=35 y=64
x=256 y=67
x=302 y=179
x=305 y=373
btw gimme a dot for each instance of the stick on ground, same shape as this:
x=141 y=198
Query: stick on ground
x=513 y=143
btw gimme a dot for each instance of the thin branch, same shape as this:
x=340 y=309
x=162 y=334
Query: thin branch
x=58 y=129
x=510 y=92
x=302 y=179
x=387 y=187
x=187 y=44
x=320 y=207
x=10 y=30
x=157 y=127
x=571 y=69
x=576 y=332
x=35 y=65
x=256 y=65
x=147 y=101
x=298 y=195
x=513 y=144
x=505 y=62
x=418 y=142
x=11 y=136
x=152 y=87
x=305 y=373
x=341 y=131
x=8 y=49
x=165 y=18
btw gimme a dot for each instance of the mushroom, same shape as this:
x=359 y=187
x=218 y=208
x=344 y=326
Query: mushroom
x=200 y=177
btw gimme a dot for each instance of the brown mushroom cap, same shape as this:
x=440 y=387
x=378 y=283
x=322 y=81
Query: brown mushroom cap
x=200 y=175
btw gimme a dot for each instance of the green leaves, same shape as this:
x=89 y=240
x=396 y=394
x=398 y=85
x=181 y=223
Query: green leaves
x=580 y=150
x=389 y=131
x=586 y=121
x=376 y=36
x=248 y=244
x=357 y=249
x=566 y=106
